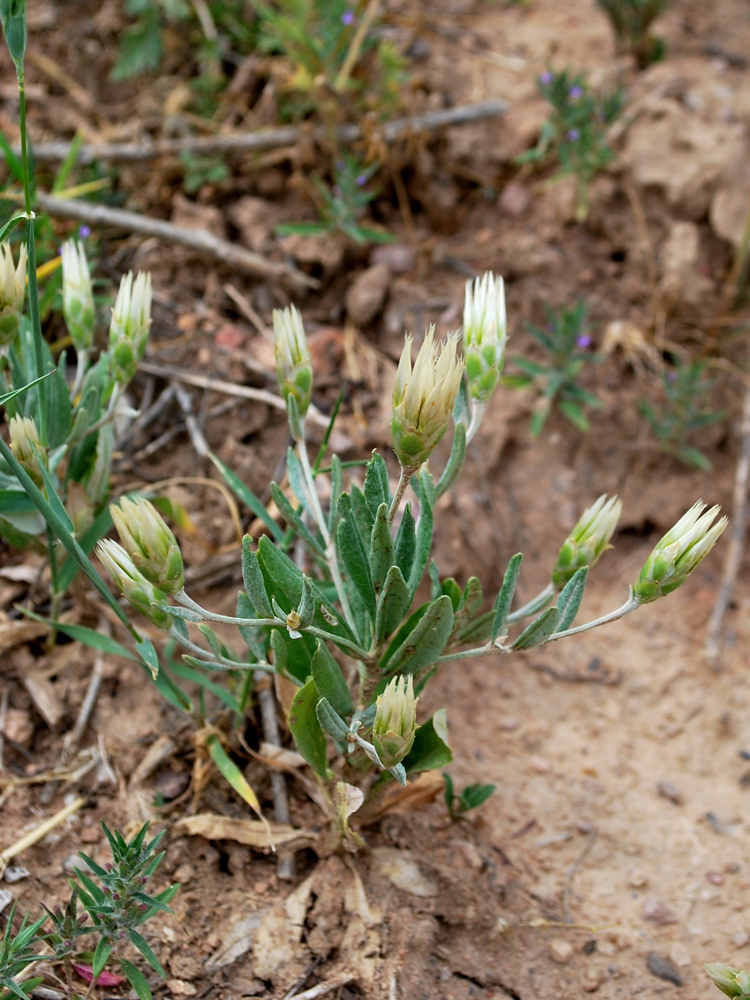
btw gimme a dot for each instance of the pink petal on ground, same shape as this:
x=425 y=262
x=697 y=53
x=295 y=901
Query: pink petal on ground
x=105 y=978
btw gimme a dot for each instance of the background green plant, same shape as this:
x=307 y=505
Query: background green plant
x=565 y=341
x=631 y=20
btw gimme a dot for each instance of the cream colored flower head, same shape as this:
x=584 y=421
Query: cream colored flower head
x=484 y=334
x=677 y=554
x=395 y=721
x=130 y=325
x=588 y=539
x=78 y=298
x=149 y=543
x=129 y=580
x=293 y=363
x=424 y=397
x=12 y=291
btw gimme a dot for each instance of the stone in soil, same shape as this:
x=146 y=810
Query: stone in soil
x=366 y=295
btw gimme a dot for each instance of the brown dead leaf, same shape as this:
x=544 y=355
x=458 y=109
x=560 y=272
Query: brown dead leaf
x=393 y=798
x=251 y=832
x=14 y=632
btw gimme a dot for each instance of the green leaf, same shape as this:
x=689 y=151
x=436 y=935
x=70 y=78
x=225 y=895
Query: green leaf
x=473 y=796
x=393 y=603
x=102 y=953
x=425 y=642
x=298 y=481
x=58 y=400
x=330 y=721
x=431 y=748
x=88 y=636
x=361 y=511
x=253 y=580
x=306 y=607
x=330 y=682
x=4 y=232
x=406 y=542
x=147 y=653
x=377 y=488
x=355 y=559
x=469 y=605
x=136 y=979
x=505 y=596
x=575 y=415
x=539 y=631
x=570 y=598
x=294 y=655
x=455 y=462
x=337 y=485
x=462 y=408
x=305 y=728
x=381 y=547
x=246 y=495
x=294 y=521
x=451 y=589
x=198 y=677
x=145 y=949
x=7 y=396
x=424 y=531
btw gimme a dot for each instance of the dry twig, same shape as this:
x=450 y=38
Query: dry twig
x=712 y=648
x=196 y=239
x=275 y=138
x=271 y=734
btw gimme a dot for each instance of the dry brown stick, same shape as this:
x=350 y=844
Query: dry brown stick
x=712 y=648
x=287 y=135
x=327 y=987
x=191 y=421
x=228 y=388
x=274 y=138
x=3 y=716
x=73 y=738
x=196 y=239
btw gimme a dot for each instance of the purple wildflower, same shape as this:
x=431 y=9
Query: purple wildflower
x=347 y=18
x=575 y=92
x=573 y=135
x=583 y=341
x=545 y=78
x=361 y=180
x=84 y=232
x=671 y=376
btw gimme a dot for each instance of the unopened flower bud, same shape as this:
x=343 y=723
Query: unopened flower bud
x=27 y=446
x=57 y=910
x=678 y=553
x=395 y=721
x=730 y=981
x=588 y=539
x=12 y=291
x=484 y=335
x=150 y=544
x=133 y=585
x=423 y=398
x=131 y=321
x=78 y=298
x=293 y=362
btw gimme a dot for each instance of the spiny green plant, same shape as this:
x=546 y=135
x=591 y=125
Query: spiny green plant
x=684 y=408
x=575 y=133
x=566 y=341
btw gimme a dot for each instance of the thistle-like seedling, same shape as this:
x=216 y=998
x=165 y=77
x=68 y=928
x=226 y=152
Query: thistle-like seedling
x=120 y=905
x=575 y=133
x=17 y=952
x=565 y=341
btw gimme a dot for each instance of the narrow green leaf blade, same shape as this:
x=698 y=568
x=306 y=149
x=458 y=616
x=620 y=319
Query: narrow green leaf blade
x=330 y=721
x=355 y=559
x=406 y=542
x=253 y=580
x=377 y=488
x=246 y=495
x=393 y=603
x=456 y=461
x=539 y=631
x=505 y=597
x=426 y=641
x=294 y=521
x=139 y=941
x=570 y=598
x=136 y=979
x=382 y=552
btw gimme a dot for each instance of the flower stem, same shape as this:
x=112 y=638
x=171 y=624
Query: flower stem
x=403 y=481
x=536 y=604
x=630 y=605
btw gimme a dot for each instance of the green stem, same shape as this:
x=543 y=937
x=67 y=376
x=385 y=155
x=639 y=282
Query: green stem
x=536 y=604
x=34 y=315
x=468 y=654
x=630 y=605
x=403 y=482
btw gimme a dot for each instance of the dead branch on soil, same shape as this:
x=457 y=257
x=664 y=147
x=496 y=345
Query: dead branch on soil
x=287 y=135
x=271 y=734
x=39 y=832
x=712 y=648
x=195 y=239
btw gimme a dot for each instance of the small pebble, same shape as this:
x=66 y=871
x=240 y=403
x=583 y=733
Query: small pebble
x=656 y=911
x=663 y=968
x=539 y=764
x=6 y=897
x=740 y=939
x=398 y=257
x=90 y=836
x=669 y=791
x=366 y=295
x=185 y=873
x=679 y=955
x=715 y=878
x=560 y=951
x=592 y=982
x=16 y=874
x=74 y=863
x=509 y=725
x=637 y=878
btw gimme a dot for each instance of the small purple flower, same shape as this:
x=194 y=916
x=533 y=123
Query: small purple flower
x=671 y=376
x=361 y=180
x=573 y=135
x=347 y=18
x=583 y=341
x=545 y=78
x=84 y=232
x=575 y=93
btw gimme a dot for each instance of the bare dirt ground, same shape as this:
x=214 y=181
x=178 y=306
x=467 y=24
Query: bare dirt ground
x=614 y=856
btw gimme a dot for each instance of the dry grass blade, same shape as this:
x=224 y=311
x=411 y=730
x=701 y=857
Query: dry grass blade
x=39 y=833
x=251 y=832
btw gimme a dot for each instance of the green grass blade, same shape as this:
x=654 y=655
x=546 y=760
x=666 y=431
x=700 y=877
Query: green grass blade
x=246 y=495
